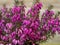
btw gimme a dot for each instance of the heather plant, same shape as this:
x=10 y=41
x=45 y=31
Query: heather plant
x=20 y=28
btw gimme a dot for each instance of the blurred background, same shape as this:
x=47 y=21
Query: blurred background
x=46 y=3
x=28 y=3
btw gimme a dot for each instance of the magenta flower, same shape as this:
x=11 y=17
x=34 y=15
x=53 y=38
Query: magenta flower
x=9 y=25
x=20 y=28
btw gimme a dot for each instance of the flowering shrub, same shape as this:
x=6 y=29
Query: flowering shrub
x=18 y=28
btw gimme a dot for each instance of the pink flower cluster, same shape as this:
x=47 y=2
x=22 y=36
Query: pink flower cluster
x=16 y=28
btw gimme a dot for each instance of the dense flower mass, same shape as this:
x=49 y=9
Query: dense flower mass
x=18 y=28
x=35 y=9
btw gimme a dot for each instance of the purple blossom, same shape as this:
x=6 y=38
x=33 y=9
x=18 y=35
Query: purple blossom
x=20 y=28
x=9 y=25
x=16 y=18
